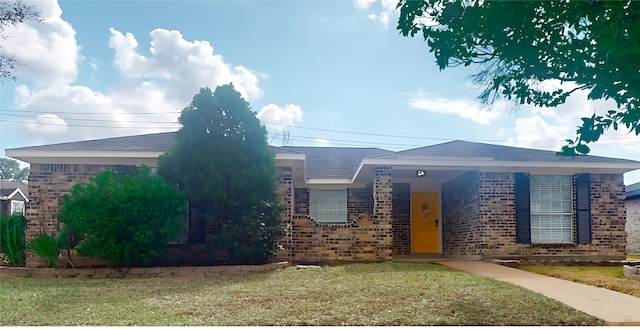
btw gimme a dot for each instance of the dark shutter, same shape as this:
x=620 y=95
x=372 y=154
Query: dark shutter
x=523 y=209
x=583 y=208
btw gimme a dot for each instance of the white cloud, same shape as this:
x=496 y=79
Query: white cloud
x=363 y=4
x=383 y=13
x=534 y=132
x=464 y=108
x=188 y=65
x=278 y=118
x=47 y=49
x=47 y=124
x=152 y=91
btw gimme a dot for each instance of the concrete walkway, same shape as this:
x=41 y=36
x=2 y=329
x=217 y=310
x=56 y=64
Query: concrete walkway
x=613 y=307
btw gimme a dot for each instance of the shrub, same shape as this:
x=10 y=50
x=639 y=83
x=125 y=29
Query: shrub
x=12 y=240
x=251 y=238
x=124 y=219
x=48 y=247
x=223 y=164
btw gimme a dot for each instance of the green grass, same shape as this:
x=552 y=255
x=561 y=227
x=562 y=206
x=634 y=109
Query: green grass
x=609 y=277
x=356 y=294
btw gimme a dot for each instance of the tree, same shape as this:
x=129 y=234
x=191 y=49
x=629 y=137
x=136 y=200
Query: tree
x=10 y=170
x=523 y=48
x=123 y=219
x=222 y=163
x=12 y=14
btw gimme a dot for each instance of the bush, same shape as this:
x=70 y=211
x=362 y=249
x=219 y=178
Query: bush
x=223 y=164
x=48 y=247
x=124 y=219
x=252 y=238
x=12 y=241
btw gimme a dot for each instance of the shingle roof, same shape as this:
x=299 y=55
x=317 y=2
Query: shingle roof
x=633 y=190
x=161 y=142
x=337 y=162
x=333 y=163
x=463 y=149
x=6 y=184
x=146 y=142
x=8 y=187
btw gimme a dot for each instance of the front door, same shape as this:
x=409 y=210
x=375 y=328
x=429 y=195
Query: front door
x=425 y=222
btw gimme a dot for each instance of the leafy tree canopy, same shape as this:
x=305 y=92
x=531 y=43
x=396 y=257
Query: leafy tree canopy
x=124 y=219
x=11 y=14
x=223 y=164
x=10 y=170
x=540 y=52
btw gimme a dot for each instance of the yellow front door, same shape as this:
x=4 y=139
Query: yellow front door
x=425 y=222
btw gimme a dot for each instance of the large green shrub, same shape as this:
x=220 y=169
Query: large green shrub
x=12 y=240
x=222 y=163
x=124 y=219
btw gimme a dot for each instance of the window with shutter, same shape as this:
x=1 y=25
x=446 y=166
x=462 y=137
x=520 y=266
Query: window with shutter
x=551 y=203
x=328 y=205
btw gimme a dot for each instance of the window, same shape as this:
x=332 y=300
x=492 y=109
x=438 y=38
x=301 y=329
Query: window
x=551 y=209
x=328 y=205
x=17 y=207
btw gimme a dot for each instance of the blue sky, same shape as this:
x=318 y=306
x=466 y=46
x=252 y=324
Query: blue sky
x=333 y=73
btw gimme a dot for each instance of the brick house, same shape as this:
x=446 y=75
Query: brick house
x=457 y=199
x=633 y=218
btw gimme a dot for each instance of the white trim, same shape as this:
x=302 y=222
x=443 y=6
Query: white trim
x=17 y=190
x=482 y=164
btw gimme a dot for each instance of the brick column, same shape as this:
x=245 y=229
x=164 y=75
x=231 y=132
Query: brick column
x=284 y=194
x=382 y=212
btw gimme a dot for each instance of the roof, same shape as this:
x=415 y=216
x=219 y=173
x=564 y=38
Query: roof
x=336 y=164
x=160 y=142
x=332 y=162
x=147 y=142
x=8 y=189
x=464 y=149
x=633 y=190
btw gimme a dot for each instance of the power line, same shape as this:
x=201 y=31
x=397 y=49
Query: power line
x=613 y=143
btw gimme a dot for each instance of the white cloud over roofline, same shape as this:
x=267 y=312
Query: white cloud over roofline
x=463 y=108
x=149 y=97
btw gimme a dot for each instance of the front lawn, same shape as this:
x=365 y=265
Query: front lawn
x=609 y=277
x=356 y=294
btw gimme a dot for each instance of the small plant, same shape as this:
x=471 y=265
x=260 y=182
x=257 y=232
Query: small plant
x=12 y=240
x=48 y=247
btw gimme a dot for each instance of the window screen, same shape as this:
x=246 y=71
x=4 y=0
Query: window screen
x=328 y=205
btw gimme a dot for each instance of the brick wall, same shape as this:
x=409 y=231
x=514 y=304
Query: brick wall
x=479 y=218
x=285 y=195
x=632 y=226
x=365 y=237
x=47 y=184
x=401 y=219
x=462 y=229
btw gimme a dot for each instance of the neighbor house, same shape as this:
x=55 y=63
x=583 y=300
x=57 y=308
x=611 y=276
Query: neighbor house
x=456 y=199
x=13 y=197
x=633 y=218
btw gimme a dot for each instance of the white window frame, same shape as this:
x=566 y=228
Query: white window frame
x=328 y=205
x=552 y=204
x=17 y=207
